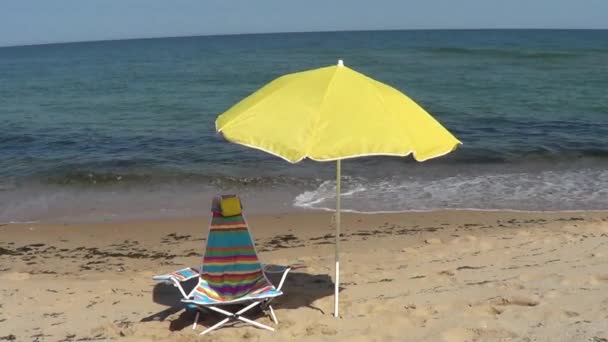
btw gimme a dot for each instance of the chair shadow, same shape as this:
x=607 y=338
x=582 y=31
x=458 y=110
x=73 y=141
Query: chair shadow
x=300 y=290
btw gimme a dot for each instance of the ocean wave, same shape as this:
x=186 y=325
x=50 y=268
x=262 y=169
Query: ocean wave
x=11 y=138
x=389 y=187
x=100 y=179
x=548 y=190
x=255 y=173
x=503 y=53
x=547 y=154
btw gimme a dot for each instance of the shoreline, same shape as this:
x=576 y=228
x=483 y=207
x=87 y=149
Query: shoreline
x=304 y=211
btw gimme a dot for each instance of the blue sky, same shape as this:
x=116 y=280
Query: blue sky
x=47 y=21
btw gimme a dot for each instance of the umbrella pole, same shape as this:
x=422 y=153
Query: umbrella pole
x=337 y=280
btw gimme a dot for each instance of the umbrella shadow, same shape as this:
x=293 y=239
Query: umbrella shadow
x=303 y=289
x=300 y=290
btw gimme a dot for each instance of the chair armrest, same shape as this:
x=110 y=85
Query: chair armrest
x=178 y=277
x=272 y=268
x=283 y=278
x=184 y=274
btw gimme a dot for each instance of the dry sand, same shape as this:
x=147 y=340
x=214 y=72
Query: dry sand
x=437 y=276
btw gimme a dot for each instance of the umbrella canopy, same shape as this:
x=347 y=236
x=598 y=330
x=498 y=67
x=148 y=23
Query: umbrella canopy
x=334 y=113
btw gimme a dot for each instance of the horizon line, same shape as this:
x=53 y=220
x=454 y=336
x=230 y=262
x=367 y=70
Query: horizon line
x=301 y=32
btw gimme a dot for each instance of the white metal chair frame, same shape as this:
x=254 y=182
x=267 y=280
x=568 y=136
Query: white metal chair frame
x=263 y=302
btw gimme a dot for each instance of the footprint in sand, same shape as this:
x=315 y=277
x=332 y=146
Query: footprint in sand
x=410 y=251
x=120 y=329
x=516 y=300
x=603 y=277
x=448 y=273
x=17 y=276
x=287 y=323
x=455 y=241
x=598 y=279
x=457 y=334
x=324 y=329
x=553 y=294
x=485 y=245
x=571 y=314
x=249 y=335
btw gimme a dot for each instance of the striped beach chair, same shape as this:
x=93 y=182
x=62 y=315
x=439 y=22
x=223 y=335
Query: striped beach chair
x=231 y=271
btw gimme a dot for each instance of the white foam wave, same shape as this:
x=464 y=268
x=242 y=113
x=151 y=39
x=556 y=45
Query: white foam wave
x=563 y=190
x=326 y=190
x=542 y=191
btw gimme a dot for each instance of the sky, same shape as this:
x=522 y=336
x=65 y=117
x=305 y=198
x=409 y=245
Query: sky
x=24 y=22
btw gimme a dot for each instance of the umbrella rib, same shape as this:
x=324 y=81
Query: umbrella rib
x=313 y=137
x=375 y=84
x=260 y=101
x=413 y=151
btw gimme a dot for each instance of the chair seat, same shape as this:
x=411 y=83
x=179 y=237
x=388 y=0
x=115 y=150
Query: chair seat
x=200 y=297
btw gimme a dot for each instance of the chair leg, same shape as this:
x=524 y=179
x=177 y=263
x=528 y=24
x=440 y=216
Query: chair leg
x=198 y=313
x=219 y=324
x=259 y=325
x=274 y=317
x=237 y=316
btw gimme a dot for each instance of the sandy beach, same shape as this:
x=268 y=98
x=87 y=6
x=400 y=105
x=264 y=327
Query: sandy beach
x=432 y=276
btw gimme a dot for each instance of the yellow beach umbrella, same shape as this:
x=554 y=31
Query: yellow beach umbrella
x=334 y=113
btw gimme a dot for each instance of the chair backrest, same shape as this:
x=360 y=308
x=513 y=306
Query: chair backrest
x=231 y=266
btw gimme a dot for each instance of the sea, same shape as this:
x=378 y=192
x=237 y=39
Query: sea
x=113 y=130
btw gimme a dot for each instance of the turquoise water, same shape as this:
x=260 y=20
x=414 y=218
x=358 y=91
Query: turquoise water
x=125 y=128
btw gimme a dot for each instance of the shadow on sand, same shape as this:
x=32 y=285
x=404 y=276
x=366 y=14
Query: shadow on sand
x=300 y=290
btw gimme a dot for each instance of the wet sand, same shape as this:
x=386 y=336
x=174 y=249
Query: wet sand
x=436 y=276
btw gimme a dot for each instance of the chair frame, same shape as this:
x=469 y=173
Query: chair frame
x=264 y=303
